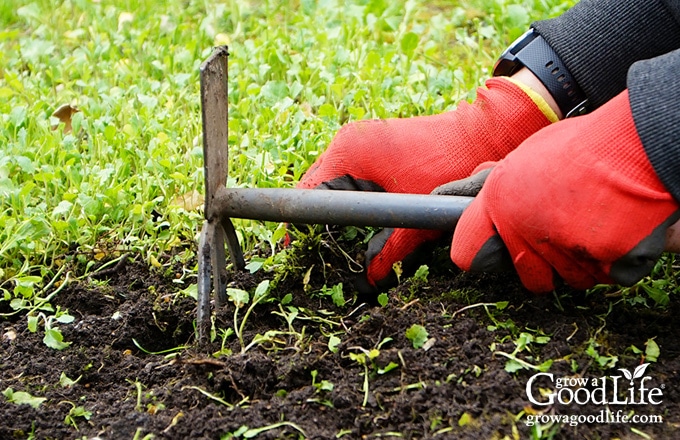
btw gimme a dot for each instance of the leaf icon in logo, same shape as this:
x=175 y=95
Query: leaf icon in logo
x=640 y=370
x=627 y=374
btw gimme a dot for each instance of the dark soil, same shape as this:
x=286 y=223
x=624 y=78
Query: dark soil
x=456 y=388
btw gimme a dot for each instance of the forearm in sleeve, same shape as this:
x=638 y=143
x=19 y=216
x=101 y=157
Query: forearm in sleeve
x=654 y=93
x=598 y=40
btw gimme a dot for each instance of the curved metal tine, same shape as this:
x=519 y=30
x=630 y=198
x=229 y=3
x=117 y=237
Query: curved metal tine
x=204 y=277
x=219 y=263
x=235 y=252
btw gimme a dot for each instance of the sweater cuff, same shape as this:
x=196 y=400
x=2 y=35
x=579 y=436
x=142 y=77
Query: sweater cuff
x=655 y=103
x=598 y=40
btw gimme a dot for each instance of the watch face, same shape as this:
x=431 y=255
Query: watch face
x=522 y=41
x=504 y=66
x=507 y=63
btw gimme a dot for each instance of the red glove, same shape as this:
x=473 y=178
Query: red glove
x=578 y=198
x=414 y=155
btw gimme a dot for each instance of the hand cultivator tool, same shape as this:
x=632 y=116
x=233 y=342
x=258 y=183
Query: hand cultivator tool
x=300 y=206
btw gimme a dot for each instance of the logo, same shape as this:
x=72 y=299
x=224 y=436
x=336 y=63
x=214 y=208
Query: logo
x=605 y=390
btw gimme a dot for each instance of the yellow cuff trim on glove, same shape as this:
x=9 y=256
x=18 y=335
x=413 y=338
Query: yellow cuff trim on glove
x=541 y=103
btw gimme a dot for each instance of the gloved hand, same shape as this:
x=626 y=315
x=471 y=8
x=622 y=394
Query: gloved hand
x=414 y=155
x=578 y=199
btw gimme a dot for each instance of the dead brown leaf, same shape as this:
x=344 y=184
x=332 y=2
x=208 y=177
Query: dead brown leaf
x=189 y=201
x=64 y=113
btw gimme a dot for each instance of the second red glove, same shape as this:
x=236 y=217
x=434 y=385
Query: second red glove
x=579 y=199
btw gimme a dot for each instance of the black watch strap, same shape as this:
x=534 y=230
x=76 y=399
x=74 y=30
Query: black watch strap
x=534 y=53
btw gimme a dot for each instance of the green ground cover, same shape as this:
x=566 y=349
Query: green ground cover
x=124 y=173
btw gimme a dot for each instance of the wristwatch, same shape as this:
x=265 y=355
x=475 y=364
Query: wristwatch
x=533 y=52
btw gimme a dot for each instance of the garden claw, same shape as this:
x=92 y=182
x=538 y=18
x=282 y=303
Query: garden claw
x=217 y=230
x=304 y=206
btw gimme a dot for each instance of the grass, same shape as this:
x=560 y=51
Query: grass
x=124 y=173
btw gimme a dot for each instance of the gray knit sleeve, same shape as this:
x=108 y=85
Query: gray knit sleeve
x=654 y=93
x=598 y=40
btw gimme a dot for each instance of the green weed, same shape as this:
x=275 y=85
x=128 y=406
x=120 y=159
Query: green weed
x=22 y=398
x=246 y=432
x=335 y=293
x=74 y=414
x=53 y=337
x=368 y=360
x=241 y=298
x=654 y=290
x=322 y=389
x=100 y=123
x=526 y=341
x=417 y=334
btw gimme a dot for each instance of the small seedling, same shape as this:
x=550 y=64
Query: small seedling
x=212 y=396
x=523 y=343
x=651 y=353
x=324 y=385
x=658 y=286
x=240 y=298
x=322 y=388
x=67 y=382
x=138 y=392
x=275 y=338
x=74 y=413
x=421 y=274
x=417 y=334
x=169 y=352
x=335 y=293
x=224 y=335
x=501 y=305
x=548 y=431
x=53 y=337
x=603 y=361
x=465 y=419
x=22 y=398
x=246 y=432
x=652 y=350
x=361 y=359
x=367 y=359
x=418 y=280
x=398 y=271
x=139 y=435
x=599 y=337
x=333 y=343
